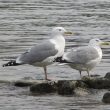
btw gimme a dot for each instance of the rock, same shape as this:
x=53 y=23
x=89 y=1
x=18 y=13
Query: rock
x=43 y=88
x=81 y=84
x=81 y=91
x=106 y=98
x=97 y=83
x=65 y=87
x=107 y=75
x=95 y=75
x=26 y=82
x=22 y=84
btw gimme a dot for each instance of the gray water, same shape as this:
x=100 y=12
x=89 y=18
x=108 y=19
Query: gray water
x=27 y=22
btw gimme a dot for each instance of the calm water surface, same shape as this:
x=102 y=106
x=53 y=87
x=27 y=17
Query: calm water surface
x=27 y=22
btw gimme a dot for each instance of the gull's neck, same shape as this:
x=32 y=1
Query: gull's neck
x=58 y=36
x=60 y=43
x=97 y=47
x=59 y=39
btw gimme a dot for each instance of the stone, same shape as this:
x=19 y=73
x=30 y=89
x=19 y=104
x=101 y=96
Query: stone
x=97 y=83
x=27 y=82
x=65 y=87
x=106 y=98
x=22 y=84
x=107 y=75
x=81 y=91
x=94 y=75
x=43 y=88
x=80 y=83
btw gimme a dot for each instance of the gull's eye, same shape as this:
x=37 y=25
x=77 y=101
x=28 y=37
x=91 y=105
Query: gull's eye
x=97 y=40
x=59 y=29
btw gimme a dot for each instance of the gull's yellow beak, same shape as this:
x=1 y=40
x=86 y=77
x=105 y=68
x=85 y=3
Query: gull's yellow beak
x=105 y=43
x=68 y=33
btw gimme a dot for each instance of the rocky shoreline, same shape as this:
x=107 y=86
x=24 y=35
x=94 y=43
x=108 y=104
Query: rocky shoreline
x=67 y=87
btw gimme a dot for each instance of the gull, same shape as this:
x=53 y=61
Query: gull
x=84 y=58
x=44 y=53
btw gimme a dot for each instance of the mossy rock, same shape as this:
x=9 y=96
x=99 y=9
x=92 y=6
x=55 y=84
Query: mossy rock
x=107 y=75
x=43 y=88
x=81 y=84
x=97 y=83
x=106 y=98
x=65 y=87
x=81 y=91
x=22 y=84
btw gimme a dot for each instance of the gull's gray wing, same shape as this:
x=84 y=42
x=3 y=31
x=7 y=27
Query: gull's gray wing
x=38 y=53
x=82 y=55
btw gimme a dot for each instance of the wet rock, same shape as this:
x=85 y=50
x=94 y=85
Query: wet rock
x=43 y=88
x=27 y=82
x=97 y=83
x=107 y=75
x=81 y=84
x=81 y=91
x=106 y=98
x=69 y=87
x=95 y=75
x=65 y=87
x=22 y=84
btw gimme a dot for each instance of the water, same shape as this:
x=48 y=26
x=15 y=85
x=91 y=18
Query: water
x=27 y=22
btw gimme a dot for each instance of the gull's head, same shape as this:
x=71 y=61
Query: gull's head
x=98 y=42
x=60 y=31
